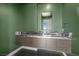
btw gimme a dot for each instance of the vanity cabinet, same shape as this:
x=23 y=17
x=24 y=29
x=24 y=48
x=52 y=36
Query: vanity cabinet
x=45 y=43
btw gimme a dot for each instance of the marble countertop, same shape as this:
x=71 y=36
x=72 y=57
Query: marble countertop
x=46 y=36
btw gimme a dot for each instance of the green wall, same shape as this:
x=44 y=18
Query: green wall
x=32 y=19
x=10 y=22
x=70 y=24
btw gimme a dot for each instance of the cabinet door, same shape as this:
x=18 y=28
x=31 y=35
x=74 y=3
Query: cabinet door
x=25 y=41
x=68 y=46
x=38 y=42
x=51 y=44
x=63 y=45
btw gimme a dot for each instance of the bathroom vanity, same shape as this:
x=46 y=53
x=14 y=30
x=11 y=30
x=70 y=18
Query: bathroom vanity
x=45 y=42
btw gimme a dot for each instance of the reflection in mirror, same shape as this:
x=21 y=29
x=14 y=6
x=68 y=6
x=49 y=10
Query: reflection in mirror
x=46 y=22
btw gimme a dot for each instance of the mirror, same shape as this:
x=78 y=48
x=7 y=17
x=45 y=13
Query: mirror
x=46 y=22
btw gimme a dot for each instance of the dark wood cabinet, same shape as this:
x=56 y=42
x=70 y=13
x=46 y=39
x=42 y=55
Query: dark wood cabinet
x=46 y=43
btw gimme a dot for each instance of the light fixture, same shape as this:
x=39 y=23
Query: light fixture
x=44 y=14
